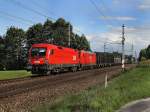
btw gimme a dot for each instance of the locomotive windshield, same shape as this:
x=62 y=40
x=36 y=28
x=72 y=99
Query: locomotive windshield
x=38 y=52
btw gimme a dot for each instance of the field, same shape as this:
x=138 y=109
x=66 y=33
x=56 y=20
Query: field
x=129 y=86
x=13 y=74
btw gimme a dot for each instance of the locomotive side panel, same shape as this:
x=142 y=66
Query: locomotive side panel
x=61 y=55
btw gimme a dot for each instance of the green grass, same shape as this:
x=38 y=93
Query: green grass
x=129 y=86
x=13 y=74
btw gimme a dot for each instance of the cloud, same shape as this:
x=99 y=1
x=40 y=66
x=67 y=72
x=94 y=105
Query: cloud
x=89 y=37
x=97 y=40
x=92 y=22
x=136 y=35
x=139 y=36
x=144 y=5
x=78 y=30
x=119 y=18
x=116 y=1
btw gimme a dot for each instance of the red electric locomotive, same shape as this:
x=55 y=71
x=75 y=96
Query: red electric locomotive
x=44 y=58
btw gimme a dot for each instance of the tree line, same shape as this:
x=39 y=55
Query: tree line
x=14 y=45
x=144 y=54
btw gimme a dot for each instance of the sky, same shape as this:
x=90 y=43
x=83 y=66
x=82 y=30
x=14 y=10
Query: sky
x=100 y=23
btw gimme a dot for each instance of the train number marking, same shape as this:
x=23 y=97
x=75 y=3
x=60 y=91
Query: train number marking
x=74 y=58
x=36 y=62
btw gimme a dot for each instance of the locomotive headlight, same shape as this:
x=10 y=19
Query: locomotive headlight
x=46 y=61
x=29 y=61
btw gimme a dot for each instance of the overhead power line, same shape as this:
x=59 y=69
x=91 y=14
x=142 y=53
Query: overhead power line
x=16 y=17
x=42 y=7
x=35 y=11
x=99 y=11
x=30 y=9
x=18 y=3
x=110 y=43
x=108 y=9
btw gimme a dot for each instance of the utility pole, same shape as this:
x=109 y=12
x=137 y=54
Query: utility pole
x=136 y=60
x=104 y=47
x=104 y=51
x=123 y=42
x=69 y=35
x=132 y=51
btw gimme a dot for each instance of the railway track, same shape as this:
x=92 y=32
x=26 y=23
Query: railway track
x=11 y=87
x=18 y=80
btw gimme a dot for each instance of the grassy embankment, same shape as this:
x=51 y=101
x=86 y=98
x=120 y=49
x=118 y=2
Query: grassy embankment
x=129 y=86
x=145 y=63
x=13 y=74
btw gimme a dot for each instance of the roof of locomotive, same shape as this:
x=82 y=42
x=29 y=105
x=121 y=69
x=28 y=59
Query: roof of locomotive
x=43 y=45
x=59 y=47
x=52 y=46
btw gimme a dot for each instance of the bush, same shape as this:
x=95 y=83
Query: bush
x=2 y=67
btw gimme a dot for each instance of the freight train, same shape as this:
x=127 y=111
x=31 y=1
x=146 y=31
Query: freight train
x=49 y=58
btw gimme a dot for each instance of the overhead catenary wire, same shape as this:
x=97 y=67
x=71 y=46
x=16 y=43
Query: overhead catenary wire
x=108 y=10
x=29 y=22
x=37 y=12
x=41 y=13
x=100 y=12
x=31 y=9
x=13 y=17
x=42 y=7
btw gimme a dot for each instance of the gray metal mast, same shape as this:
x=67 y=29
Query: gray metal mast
x=123 y=42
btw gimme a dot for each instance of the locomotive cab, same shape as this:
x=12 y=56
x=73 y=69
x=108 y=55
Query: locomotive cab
x=38 y=59
x=38 y=55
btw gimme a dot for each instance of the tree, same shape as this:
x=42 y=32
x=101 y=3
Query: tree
x=47 y=31
x=56 y=33
x=84 y=44
x=14 y=46
x=148 y=52
x=143 y=54
x=61 y=32
x=2 y=53
x=34 y=34
x=74 y=41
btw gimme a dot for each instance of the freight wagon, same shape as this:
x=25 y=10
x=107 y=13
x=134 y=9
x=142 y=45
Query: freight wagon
x=104 y=59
